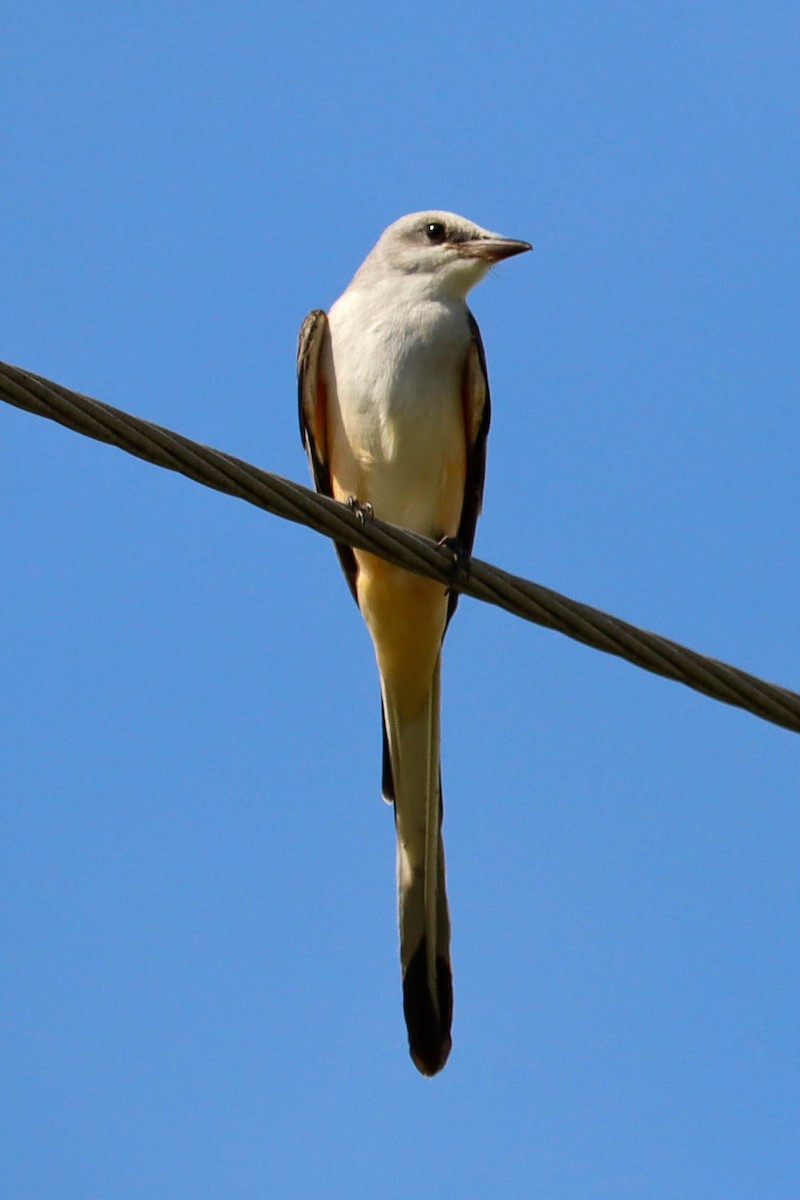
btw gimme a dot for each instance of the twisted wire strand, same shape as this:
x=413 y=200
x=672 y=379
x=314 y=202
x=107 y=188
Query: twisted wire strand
x=475 y=578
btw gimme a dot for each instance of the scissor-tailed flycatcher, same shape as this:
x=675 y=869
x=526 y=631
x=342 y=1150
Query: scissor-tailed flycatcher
x=394 y=413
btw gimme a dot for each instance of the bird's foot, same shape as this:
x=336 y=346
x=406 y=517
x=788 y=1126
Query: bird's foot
x=361 y=511
x=461 y=558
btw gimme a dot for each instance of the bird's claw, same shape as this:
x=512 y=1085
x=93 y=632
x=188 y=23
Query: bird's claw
x=461 y=558
x=359 y=510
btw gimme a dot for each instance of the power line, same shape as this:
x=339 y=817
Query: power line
x=478 y=579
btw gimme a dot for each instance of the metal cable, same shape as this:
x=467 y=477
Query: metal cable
x=481 y=580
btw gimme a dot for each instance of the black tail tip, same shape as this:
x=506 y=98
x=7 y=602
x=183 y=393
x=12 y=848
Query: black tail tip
x=429 y=1038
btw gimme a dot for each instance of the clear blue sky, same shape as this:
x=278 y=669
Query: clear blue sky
x=200 y=994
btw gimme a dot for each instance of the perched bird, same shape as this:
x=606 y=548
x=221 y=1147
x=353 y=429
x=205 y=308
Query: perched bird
x=394 y=413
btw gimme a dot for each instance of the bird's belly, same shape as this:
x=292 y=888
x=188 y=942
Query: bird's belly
x=407 y=458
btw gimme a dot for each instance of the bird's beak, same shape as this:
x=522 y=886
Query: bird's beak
x=493 y=249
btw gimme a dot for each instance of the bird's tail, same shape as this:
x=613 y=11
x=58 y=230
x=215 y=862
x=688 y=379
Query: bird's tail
x=412 y=779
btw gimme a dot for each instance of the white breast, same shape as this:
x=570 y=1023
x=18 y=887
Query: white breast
x=397 y=362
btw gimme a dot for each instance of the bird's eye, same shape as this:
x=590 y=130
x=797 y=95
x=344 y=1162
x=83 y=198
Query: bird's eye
x=435 y=232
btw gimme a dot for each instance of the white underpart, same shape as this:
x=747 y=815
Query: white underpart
x=397 y=361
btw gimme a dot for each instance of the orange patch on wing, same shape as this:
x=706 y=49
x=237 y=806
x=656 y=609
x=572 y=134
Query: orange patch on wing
x=320 y=421
x=451 y=499
x=473 y=396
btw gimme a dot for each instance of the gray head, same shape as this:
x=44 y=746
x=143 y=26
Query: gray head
x=446 y=254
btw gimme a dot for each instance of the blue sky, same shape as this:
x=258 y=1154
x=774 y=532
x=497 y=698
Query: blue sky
x=200 y=992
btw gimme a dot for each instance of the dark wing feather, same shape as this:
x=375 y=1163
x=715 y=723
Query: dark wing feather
x=312 y=395
x=477 y=415
x=310 y=399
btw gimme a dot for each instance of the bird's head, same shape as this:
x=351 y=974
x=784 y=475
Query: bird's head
x=447 y=254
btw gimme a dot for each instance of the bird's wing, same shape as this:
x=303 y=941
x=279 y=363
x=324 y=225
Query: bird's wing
x=312 y=395
x=477 y=414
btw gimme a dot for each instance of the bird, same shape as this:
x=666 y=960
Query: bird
x=394 y=414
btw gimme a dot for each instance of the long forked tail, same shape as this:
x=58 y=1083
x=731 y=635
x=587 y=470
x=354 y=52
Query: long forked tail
x=412 y=780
